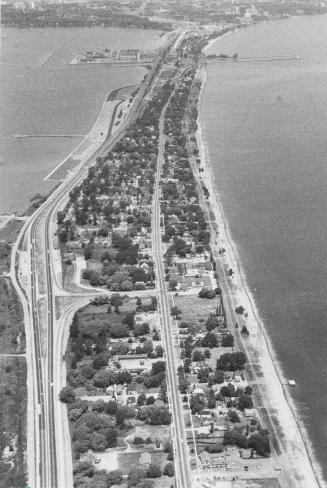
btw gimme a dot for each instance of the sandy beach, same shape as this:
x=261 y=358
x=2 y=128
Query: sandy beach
x=294 y=455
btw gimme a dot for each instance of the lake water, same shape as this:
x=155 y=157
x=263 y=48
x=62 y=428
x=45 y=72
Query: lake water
x=265 y=125
x=53 y=97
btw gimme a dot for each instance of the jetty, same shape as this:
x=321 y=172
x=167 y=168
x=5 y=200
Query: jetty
x=29 y=136
x=254 y=59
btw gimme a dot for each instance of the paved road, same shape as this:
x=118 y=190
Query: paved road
x=43 y=470
x=182 y=462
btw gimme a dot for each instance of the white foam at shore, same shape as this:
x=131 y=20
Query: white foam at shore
x=278 y=395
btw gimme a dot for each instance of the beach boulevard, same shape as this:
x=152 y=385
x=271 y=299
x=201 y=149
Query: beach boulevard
x=291 y=454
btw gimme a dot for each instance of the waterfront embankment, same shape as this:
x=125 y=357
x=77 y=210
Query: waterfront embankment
x=53 y=98
x=112 y=114
x=292 y=449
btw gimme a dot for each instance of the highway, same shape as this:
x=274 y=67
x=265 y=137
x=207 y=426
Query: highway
x=49 y=463
x=181 y=454
x=36 y=234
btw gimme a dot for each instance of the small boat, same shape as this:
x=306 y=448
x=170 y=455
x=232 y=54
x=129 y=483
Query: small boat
x=291 y=383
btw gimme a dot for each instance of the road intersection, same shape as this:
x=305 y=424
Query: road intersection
x=49 y=451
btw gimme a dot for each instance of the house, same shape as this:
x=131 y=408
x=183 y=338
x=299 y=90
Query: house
x=204 y=430
x=206 y=414
x=139 y=320
x=205 y=457
x=222 y=410
x=133 y=362
x=198 y=391
x=249 y=412
x=131 y=400
x=159 y=403
x=139 y=285
x=145 y=267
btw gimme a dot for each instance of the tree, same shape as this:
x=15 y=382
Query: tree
x=245 y=331
x=231 y=361
x=116 y=300
x=158 y=367
x=203 y=375
x=228 y=340
x=84 y=467
x=228 y=391
x=100 y=360
x=197 y=356
x=122 y=414
x=126 y=285
x=207 y=293
x=135 y=476
x=88 y=253
x=114 y=477
x=217 y=377
x=207 y=354
x=99 y=442
x=141 y=329
x=197 y=404
x=175 y=311
x=138 y=440
x=119 y=348
x=67 y=395
x=260 y=443
x=98 y=406
x=129 y=319
x=159 y=351
x=211 y=323
x=240 y=309
x=148 y=347
x=233 y=416
x=158 y=416
x=60 y=217
x=235 y=437
x=214 y=448
x=141 y=400
x=153 y=471
x=173 y=284
x=169 y=470
x=211 y=399
x=111 y=408
x=145 y=484
x=88 y=372
x=119 y=330
x=150 y=400
x=245 y=401
x=210 y=340
x=74 y=326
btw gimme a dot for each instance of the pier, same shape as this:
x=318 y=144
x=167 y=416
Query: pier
x=254 y=59
x=29 y=136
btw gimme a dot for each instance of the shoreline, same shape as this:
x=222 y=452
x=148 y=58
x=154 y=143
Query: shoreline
x=104 y=124
x=277 y=392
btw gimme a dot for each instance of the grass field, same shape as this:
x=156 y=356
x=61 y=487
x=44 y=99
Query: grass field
x=12 y=335
x=195 y=309
x=13 y=405
x=8 y=235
